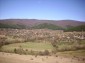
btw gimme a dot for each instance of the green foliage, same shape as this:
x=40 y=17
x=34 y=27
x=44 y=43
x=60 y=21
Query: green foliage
x=47 y=26
x=40 y=26
x=13 y=26
x=77 y=28
x=43 y=26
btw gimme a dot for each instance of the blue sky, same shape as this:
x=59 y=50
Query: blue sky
x=43 y=9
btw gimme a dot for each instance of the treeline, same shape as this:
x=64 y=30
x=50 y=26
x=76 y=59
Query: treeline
x=77 y=28
x=16 y=26
x=43 y=26
x=47 y=26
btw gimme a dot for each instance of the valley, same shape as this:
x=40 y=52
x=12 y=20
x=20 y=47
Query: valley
x=41 y=46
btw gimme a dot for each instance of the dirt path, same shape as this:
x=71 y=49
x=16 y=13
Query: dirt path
x=16 y=58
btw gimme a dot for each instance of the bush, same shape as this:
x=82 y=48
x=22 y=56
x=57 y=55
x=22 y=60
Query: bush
x=19 y=50
x=46 y=52
x=15 y=50
x=40 y=53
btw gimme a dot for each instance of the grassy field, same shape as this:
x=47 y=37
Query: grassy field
x=28 y=45
x=35 y=46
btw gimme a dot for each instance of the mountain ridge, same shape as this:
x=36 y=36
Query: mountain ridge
x=33 y=22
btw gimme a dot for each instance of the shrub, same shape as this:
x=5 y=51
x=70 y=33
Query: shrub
x=40 y=53
x=46 y=52
x=15 y=50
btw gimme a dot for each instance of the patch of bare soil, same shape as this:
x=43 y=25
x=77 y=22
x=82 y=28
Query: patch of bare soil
x=16 y=58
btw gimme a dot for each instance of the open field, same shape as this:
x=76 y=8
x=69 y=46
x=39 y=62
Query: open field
x=41 y=46
x=29 y=46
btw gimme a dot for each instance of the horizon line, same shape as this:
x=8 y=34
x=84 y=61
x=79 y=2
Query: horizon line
x=41 y=19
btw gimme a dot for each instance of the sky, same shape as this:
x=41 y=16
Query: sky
x=43 y=9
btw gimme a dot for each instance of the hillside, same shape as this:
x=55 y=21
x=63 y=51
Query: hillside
x=47 y=26
x=40 y=24
x=77 y=28
x=62 y=23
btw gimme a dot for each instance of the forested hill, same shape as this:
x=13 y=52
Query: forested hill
x=67 y=25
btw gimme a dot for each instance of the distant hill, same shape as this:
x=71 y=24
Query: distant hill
x=34 y=23
x=47 y=26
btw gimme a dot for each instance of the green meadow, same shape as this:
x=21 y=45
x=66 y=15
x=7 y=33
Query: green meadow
x=28 y=45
